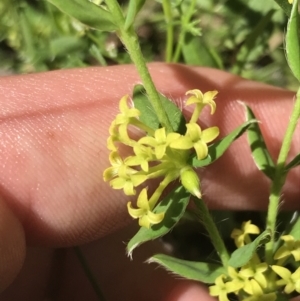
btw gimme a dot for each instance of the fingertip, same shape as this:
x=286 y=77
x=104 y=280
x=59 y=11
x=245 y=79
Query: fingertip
x=189 y=291
x=13 y=246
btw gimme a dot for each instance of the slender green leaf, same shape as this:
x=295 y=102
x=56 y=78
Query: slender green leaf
x=148 y=116
x=285 y=5
x=87 y=12
x=242 y=255
x=174 y=206
x=295 y=162
x=295 y=226
x=199 y=271
x=216 y=150
x=134 y=7
x=293 y=41
x=260 y=153
x=65 y=44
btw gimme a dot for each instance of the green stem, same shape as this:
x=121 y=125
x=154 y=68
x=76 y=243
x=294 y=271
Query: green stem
x=130 y=40
x=159 y=190
x=212 y=230
x=88 y=273
x=279 y=178
x=166 y=4
x=185 y=19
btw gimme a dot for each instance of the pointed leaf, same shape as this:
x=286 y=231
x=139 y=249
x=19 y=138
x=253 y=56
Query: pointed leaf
x=285 y=5
x=87 y=12
x=293 y=41
x=199 y=271
x=260 y=153
x=295 y=162
x=148 y=115
x=134 y=7
x=242 y=255
x=295 y=226
x=216 y=150
x=174 y=206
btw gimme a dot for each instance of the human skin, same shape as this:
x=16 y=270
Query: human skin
x=53 y=131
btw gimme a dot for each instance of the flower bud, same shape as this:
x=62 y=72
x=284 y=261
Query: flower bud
x=190 y=181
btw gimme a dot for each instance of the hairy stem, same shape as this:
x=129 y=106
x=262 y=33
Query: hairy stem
x=212 y=230
x=130 y=40
x=279 y=178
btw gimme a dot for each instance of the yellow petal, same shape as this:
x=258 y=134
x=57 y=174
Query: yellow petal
x=201 y=150
x=135 y=213
x=110 y=144
x=208 y=98
x=210 y=134
x=128 y=188
x=155 y=218
x=138 y=179
x=144 y=222
x=142 y=201
x=196 y=98
x=256 y=289
x=160 y=135
x=261 y=279
x=289 y=288
x=250 y=228
x=182 y=142
x=282 y=272
x=193 y=131
x=282 y=252
x=109 y=173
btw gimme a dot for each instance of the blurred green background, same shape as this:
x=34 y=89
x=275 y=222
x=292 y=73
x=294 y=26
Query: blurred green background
x=244 y=37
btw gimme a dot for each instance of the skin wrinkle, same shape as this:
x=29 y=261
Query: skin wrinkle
x=71 y=115
x=94 y=207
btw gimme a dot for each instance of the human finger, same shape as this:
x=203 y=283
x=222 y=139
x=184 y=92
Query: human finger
x=54 y=128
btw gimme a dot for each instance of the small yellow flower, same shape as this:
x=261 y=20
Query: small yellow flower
x=241 y=236
x=126 y=112
x=290 y=247
x=118 y=129
x=127 y=180
x=290 y=1
x=114 y=136
x=239 y=280
x=221 y=289
x=160 y=141
x=258 y=293
x=116 y=163
x=255 y=272
x=143 y=213
x=201 y=100
x=143 y=155
x=291 y=281
x=197 y=139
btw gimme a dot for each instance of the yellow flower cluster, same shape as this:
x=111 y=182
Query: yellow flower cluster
x=257 y=281
x=157 y=154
